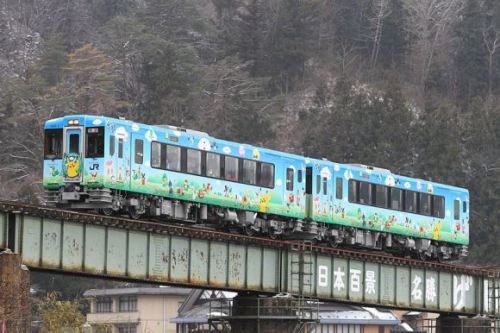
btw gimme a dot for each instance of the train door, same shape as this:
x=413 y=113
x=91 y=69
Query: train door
x=309 y=197
x=138 y=173
x=73 y=154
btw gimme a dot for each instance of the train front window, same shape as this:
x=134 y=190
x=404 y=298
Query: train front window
x=53 y=143
x=95 y=142
x=74 y=143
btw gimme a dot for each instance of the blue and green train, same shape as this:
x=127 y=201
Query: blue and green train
x=119 y=166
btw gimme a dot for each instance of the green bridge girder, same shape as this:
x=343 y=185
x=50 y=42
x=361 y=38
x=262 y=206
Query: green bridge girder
x=84 y=246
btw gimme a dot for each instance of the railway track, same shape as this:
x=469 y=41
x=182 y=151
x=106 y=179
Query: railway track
x=174 y=227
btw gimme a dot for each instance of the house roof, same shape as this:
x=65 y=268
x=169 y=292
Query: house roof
x=174 y=291
x=329 y=313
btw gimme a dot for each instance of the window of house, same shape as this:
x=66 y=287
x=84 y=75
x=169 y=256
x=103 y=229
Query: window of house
x=325 y=186
x=111 y=145
x=127 y=304
x=120 y=148
x=339 y=188
x=139 y=151
x=127 y=328
x=381 y=194
x=249 y=172
x=365 y=193
x=155 y=154
x=396 y=199
x=231 y=168
x=411 y=201
x=438 y=206
x=213 y=165
x=424 y=204
x=289 y=179
x=266 y=175
x=456 y=209
x=95 y=142
x=53 y=143
x=193 y=161
x=353 y=191
x=103 y=304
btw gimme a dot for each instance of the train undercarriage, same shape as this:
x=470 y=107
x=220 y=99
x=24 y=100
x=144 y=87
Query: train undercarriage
x=141 y=206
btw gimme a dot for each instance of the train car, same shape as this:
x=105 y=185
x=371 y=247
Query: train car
x=119 y=166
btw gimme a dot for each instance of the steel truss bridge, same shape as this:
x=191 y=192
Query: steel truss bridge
x=171 y=253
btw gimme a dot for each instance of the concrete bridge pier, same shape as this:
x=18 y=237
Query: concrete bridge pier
x=15 y=303
x=454 y=324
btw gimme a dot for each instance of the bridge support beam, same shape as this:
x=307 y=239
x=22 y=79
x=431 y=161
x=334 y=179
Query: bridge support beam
x=15 y=304
x=454 y=324
x=253 y=314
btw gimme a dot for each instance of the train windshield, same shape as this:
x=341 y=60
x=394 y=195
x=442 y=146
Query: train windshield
x=53 y=143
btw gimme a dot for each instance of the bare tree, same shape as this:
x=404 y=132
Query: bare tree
x=491 y=38
x=381 y=10
x=430 y=22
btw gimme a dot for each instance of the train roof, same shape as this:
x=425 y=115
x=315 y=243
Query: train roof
x=94 y=120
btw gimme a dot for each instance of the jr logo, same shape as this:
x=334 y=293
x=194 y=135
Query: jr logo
x=94 y=166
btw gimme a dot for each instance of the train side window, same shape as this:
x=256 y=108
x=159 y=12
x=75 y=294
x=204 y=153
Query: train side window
x=410 y=201
x=318 y=184
x=249 y=172
x=213 y=165
x=111 y=145
x=231 y=168
x=456 y=209
x=289 y=179
x=53 y=143
x=396 y=199
x=438 y=206
x=365 y=193
x=120 y=148
x=266 y=175
x=173 y=158
x=139 y=151
x=381 y=195
x=465 y=207
x=424 y=206
x=339 y=188
x=95 y=142
x=325 y=186
x=299 y=176
x=155 y=154
x=353 y=191
x=194 y=161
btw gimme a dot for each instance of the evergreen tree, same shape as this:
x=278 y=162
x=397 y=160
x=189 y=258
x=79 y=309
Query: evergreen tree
x=53 y=60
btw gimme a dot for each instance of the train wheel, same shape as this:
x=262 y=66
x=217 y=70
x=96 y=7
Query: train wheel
x=107 y=211
x=249 y=231
x=272 y=234
x=133 y=213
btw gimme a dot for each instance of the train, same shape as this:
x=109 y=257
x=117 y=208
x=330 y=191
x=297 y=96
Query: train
x=163 y=172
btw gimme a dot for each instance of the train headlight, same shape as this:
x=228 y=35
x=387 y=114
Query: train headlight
x=73 y=122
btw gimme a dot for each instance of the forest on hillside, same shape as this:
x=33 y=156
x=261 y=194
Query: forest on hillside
x=408 y=85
